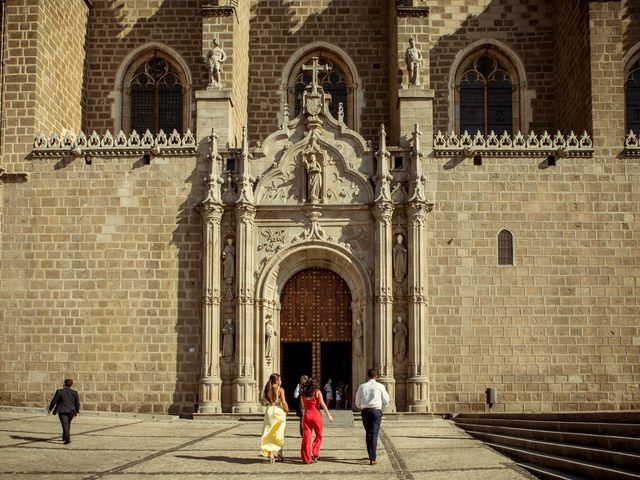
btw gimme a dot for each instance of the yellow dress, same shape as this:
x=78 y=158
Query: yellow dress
x=275 y=420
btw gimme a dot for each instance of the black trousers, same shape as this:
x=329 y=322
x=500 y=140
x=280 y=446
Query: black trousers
x=65 y=420
x=371 y=420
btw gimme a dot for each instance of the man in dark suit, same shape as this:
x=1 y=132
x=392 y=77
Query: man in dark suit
x=66 y=404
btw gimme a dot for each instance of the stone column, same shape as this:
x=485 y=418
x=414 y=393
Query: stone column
x=245 y=386
x=211 y=381
x=383 y=299
x=211 y=210
x=418 y=386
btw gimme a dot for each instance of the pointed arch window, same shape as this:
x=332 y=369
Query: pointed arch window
x=632 y=98
x=337 y=82
x=487 y=93
x=154 y=97
x=505 y=248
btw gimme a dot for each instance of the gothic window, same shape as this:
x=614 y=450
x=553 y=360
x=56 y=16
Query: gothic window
x=487 y=93
x=154 y=95
x=337 y=82
x=505 y=248
x=632 y=98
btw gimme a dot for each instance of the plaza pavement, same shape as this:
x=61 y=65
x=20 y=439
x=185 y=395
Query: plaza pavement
x=145 y=447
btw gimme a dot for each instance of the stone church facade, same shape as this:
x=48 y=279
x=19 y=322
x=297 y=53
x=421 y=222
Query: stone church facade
x=196 y=194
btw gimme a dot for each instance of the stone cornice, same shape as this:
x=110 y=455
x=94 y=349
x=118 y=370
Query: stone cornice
x=120 y=145
x=516 y=145
x=631 y=145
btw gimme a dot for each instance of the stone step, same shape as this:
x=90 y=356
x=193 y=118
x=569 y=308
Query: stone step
x=626 y=417
x=586 y=469
x=588 y=427
x=591 y=454
x=611 y=442
x=547 y=473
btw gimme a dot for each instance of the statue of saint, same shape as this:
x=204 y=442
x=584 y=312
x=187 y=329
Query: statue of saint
x=400 y=333
x=357 y=338
x=228 y=332
x=413 y=59
x=270 y=332
x=314 y=178
x=399 y=259
x=229 y=261
x=215 y=57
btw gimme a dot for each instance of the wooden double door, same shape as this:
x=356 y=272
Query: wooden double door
x=315 y=328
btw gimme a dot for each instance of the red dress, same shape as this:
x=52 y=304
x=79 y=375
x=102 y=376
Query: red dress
x=311 y=422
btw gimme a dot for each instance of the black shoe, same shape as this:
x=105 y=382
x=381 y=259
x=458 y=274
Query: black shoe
x=67 y=442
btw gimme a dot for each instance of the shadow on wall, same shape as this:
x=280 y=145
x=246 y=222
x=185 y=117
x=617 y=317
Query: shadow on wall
x=174 y=316
x=519 y=26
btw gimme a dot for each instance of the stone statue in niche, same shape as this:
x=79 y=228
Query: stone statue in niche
x=229 y=261
x=413 y=59
x=270 y=333
x=357 y=338
x=399 y=259
x=400 y=333
x=228 y=333
x=314 y=178
x=214 y=60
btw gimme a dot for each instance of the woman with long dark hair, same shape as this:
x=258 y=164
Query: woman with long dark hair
x=312 y=420
x=275 y=416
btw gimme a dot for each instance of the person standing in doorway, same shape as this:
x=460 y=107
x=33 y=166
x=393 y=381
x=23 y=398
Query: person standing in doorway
x=66 y=403
x=370 y=398
x=312 y=420
x=298 y=399
x=328 y=393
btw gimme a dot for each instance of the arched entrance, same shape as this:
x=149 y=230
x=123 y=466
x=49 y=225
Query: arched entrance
x=315 y=327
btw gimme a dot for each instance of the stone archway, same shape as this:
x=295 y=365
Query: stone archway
x=316 y=254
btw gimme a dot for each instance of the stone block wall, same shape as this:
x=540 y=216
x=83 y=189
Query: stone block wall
x=100 y=282
x=117 y=29
x=572 y=66
x=558 y=330
x=525 y=27
x=630 y=24
x=278 y=30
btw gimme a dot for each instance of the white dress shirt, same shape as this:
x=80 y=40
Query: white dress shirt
x=372 y=395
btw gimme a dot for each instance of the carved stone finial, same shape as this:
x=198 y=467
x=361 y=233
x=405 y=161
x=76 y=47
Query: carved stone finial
x=245 y=191
x=417 y=178
x=383 y=178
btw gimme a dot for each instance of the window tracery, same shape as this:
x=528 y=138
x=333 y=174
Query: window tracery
x=487 y=93
x=154 y=97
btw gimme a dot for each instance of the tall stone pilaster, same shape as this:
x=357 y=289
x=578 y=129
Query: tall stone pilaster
x=211 y=211
x=418 y=207
x=383 y=307
x=245 y=386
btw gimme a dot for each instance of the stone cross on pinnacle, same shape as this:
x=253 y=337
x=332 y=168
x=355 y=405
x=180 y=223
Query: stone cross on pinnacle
x=314 y=68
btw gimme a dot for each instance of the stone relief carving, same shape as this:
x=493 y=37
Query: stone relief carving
x=399 y=259
x=273 y=239
x=314 y=178
x=270 y=333
x=358 y=335
x=228 y=268
x=215 y=58
x=413 y=59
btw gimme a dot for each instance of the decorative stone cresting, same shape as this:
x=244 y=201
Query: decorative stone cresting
x=121 y=144
x=513 y=145
x=632 y=144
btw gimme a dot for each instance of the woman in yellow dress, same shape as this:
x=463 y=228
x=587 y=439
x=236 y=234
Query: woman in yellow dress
x=275 y=417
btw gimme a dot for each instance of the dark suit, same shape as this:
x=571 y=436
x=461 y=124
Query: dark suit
x=66 y=404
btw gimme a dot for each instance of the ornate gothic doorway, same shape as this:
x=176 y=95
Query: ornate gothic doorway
x=315 y=327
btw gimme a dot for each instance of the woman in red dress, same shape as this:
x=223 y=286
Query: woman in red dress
x=312 y=420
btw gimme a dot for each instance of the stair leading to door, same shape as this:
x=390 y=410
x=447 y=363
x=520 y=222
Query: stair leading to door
x=568 y=446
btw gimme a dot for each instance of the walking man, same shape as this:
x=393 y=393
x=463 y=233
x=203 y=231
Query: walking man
x=370 y=398
x=66 y=403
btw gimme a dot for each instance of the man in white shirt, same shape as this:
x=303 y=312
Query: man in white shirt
x=370 y=398
x=328 y=393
